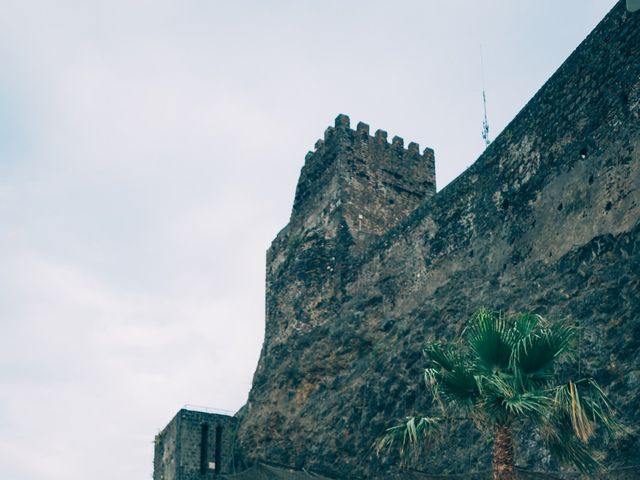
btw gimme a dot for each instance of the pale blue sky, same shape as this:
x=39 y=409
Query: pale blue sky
x=149 y=152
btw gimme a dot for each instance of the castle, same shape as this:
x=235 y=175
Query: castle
x=374 y=261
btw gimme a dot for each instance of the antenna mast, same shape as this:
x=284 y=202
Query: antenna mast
x=485 y=122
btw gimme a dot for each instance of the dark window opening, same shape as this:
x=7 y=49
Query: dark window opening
x=204 y=446
x=583 y=153
x=218 y=447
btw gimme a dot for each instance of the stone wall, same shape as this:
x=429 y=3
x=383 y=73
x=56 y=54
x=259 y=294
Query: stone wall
x=195 y=446
x=165 y=459
x=546 y=220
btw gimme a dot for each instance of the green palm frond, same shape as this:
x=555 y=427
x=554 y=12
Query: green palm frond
x=494 y=391
x=504 y=401
x=444 y=357
x=415 y=432
x=458 y=385
x=491 y=340
x=536 y=351
x=526 y=323
x=563 y=444
x=527 y=404
x=450 y=375
x=500 y=386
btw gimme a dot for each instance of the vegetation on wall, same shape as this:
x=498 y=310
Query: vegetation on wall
x=505 y=374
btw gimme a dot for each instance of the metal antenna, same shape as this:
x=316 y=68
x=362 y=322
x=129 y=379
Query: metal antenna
x=485 y=122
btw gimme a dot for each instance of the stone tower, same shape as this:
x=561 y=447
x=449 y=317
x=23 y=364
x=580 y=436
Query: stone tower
x=360 y=181
x=353 y=189
x=194 y=446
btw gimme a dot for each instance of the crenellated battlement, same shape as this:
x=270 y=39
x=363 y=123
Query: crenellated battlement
x=342 y=121
x=370 y=182
x=341 y=131
x=362 y=129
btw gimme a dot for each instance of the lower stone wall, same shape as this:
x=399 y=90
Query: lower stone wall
x=165 y=458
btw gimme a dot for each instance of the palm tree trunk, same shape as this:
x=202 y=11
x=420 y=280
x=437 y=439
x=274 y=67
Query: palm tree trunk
x=503 y=459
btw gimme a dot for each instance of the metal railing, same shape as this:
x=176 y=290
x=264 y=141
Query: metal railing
x=217 y=411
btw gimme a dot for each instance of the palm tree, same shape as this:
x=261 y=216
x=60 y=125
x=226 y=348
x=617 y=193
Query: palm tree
x=503 y=374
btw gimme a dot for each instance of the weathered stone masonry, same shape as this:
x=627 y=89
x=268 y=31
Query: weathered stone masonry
x=352 y=188
x=194 y=446
x=374 y=262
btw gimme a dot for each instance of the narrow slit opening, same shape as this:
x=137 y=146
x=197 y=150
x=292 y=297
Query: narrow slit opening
x=218 y=448
x=204 y=446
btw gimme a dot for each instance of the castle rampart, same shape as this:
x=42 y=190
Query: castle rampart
x=547 y=220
